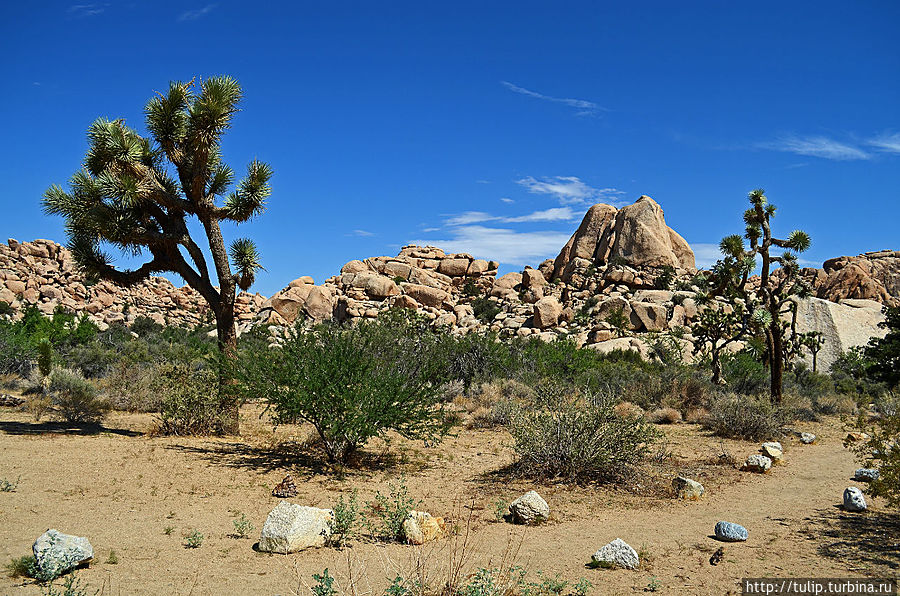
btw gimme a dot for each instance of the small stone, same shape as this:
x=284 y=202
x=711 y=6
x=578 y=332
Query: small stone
x=290 y=528
x=530 y=508
x=807 y=438
x=856 y=437
x=757 y=463
x=866 y=474
x=56 y=553
x=685 y=488
x=773 y=451
x=854 y=499
x=731 y=532
x=11 y=401
x=286 y=488
x=420 y=527
x=617 y=553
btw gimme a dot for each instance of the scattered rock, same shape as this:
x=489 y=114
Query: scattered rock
x=807 y=438
x=530 y=508
x=290 y=528
x=854 y=499
x=420 y=527
x=285 y=489
x=731 y=532
x=866 y=474
x=685 y=488
x=773 y=451
x=56 y=553
x=546 y=312
x=757 y=463
x=856 y=437
x=617 y=554
x=11 y=401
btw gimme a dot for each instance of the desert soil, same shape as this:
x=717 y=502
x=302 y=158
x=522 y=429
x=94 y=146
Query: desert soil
x=124 y=489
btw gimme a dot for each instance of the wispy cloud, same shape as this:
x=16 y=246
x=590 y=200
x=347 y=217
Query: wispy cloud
x=569 y=190
x=363 y=233
x=507 y=200
x=889 y=143
x=706 y=255
x=86 y=10
x=817 y=146
x=197 y=13
x=469 y=217
x=544 y=215
x=507 y=246
x=584 y=107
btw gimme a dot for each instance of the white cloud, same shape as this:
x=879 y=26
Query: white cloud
x=705 y=255
x=554 y=214
x=364 y=233
x=889 y=143
x=507 y=246
x=193 y=15
x=507 y=200
x=470 y=217
x=569 y=190
x=817 y=146
x=429 y=230
x=585 y=108
x=86 y=10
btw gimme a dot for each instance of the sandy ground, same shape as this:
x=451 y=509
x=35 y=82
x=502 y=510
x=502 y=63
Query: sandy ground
x=124 y=489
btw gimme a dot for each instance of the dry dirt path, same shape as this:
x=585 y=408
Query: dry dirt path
x=123 y=491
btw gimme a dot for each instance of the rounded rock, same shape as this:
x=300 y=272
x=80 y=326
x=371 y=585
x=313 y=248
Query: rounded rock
x=866 y=474
x=757 y=463
x=854 y=499
x=617 y=553
x=530 y=508
x=731 y=532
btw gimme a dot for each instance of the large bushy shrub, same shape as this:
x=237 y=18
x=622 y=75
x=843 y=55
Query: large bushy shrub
x=191 y=403
x=882 y=450
x=74 y=398
x=746 y=417
x=575 y=435
x=352 y=383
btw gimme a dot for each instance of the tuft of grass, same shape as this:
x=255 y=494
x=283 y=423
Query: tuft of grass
x=664 y=416
x=22 y=566
x=168 y=530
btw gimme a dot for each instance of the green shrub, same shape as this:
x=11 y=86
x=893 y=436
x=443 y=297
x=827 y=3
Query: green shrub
x=882 y=450
x=131 y=387
x=145 y=326
x=485 y=309
x=243 y=527
x=45 y=356
x=25 y=566
x=353 y=384
x=475 y=357
x=746 y=417
x=884 y=353
x=74 y=398
x=5 y=308
x=324 y=585
x=390 y=511
x=571 y=436
x=620 y=322
x=194 y=539
x=346 y=522
x=665 y=277
x=71 y=587
x=191 y=402
x=744 y=373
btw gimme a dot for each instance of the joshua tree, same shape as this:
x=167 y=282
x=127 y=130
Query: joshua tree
x=813 y=341
x=717 y=327
x=138 y=194
x=775 y=295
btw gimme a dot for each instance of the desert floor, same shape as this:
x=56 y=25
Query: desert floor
x=122 y=487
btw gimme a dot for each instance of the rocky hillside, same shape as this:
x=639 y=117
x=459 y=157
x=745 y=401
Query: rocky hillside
x=624 y=261
x=43 y=273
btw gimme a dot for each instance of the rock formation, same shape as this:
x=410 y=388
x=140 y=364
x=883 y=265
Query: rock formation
x=870 y=276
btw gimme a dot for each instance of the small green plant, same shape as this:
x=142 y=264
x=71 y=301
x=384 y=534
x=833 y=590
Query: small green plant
x=485 y=309
x=391 y=510
x=397 y=588
x=346 y=520
x=45 y=357
x=70 y=587
x=168 y=530
x=74 y=398
x=470 y=289
x=25 y=566
x=324 y=584
x=399 y=280
x=501 y=508
x=194 y=539
x=665 y=277
x=582 y=587
x=113 y=558
x=619 y=321
x=654 y=585
x=5 y=308
x=243 y=527
x=8 y=487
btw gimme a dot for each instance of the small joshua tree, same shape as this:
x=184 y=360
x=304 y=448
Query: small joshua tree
x=716 y=327
x=774 y=298
x=813 y=341
x=138 y=194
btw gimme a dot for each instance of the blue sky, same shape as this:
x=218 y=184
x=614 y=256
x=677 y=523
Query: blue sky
x=484 y=127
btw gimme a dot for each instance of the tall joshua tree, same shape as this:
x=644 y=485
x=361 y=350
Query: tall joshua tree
x=773 y=299
x=138 y=194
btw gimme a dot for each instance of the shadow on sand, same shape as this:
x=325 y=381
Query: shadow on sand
x=62 y=428
x=865 y=539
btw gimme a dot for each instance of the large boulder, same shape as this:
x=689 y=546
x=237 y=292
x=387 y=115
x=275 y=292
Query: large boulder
x=636 y=235
x=290 y=528
x=56 y=553
x=842 y=326
x=649 y=316
x=428 y=296
x=869 y=276
x=547 y=312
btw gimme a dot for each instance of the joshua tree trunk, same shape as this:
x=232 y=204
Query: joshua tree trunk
x=776 y=364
